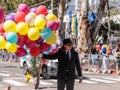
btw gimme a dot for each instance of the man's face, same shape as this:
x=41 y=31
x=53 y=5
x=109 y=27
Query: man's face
x=68 y=46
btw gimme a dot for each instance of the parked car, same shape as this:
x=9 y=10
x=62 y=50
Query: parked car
x=48 y=67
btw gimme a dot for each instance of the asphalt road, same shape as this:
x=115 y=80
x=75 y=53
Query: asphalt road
x=11 y=74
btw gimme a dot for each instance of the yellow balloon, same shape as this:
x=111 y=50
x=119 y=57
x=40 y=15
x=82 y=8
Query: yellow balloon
x=52 y=39
x=39 y=22
x=2 y=42
x=33 y=34
x=51 y=17
x=11 y=47
x=22 y=28
x=10 y=26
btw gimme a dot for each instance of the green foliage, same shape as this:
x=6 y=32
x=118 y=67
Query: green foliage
x=113 y=26
x=10 y=6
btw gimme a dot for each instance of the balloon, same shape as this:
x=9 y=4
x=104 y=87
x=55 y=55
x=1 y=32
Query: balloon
x=52 y=39
x=98 y=47
x=51 y=16
x=35 y=51
x=4 y=35
x=11 y=47
x=1 y=15
x=53 y=46
x=42 y=16
x=52 y=25
x=46 y=33
x=24 y=8
x=19 y=17
x=21 y=40
x=33 y=34
x=58 y=25
x=10 y=26
x=44 y=47
x=47 y=53
x=29 y=43
x=40 y=40
x=21 y=52
x=12 y=37
x=41 y=10
x=2 y=31
x=2 y=42
x=33 y=10
x=10 y=17
x=22 y=28
x=29 y=19
x=39 y=22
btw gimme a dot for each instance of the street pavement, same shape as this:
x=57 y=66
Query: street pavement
x=11 y=74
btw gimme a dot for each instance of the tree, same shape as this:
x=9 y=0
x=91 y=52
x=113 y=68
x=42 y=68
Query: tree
x=87 y=36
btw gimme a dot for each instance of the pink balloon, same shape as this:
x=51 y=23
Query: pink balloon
x=21 y=52
x=44 y=47
x=4 y=35
x=1 y=15
x=58 y=25
x=52 y=25
x=21 y=40
x=29 y=43
x=24 y=8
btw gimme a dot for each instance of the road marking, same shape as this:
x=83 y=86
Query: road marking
x=53 y=80
x=6 y=75
x=3 y=71
x=20 y=75
x=114 y=79
x=14 y=83
x=87 y=81
x=100 y=80
x=42 y=82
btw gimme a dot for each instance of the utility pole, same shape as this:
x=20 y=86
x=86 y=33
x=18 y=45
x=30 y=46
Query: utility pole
x=108 y=14
x=52 y=8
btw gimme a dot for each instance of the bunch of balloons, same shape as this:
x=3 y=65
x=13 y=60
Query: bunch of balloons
x=29 y=30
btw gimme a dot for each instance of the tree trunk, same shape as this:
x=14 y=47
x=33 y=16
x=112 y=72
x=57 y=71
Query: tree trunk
x=84 y=39
x=87 y=36
x=97 y=23
x=61 y=12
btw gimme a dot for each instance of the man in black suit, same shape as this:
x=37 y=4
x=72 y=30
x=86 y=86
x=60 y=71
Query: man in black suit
x=67 y=60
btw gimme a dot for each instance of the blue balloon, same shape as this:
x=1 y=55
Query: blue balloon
x=91 y=17
x=50 y=50
x=46 y=33
x=12 y=37
x=47 y=53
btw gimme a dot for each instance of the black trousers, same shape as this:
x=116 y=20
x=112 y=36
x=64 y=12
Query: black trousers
x=62 y=83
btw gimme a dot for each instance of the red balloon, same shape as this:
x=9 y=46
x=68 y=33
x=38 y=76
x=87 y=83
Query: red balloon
x=29 y=43
x=2 y=31
x=21 y=40
x=58 y=25
x=24 y=8
x=21 y=52
x=19 y=17
x=1 y=15
x=42 y=10
x=35 y=51
x=44 y=47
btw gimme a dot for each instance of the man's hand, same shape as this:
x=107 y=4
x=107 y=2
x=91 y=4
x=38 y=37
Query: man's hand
x=80 y=80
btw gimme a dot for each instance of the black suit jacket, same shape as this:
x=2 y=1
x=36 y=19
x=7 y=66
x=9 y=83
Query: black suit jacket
x=66 y=67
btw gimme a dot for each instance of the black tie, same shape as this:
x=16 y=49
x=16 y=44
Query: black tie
x=68 y=55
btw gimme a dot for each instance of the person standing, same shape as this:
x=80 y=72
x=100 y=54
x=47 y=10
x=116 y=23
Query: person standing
x=67 y=61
